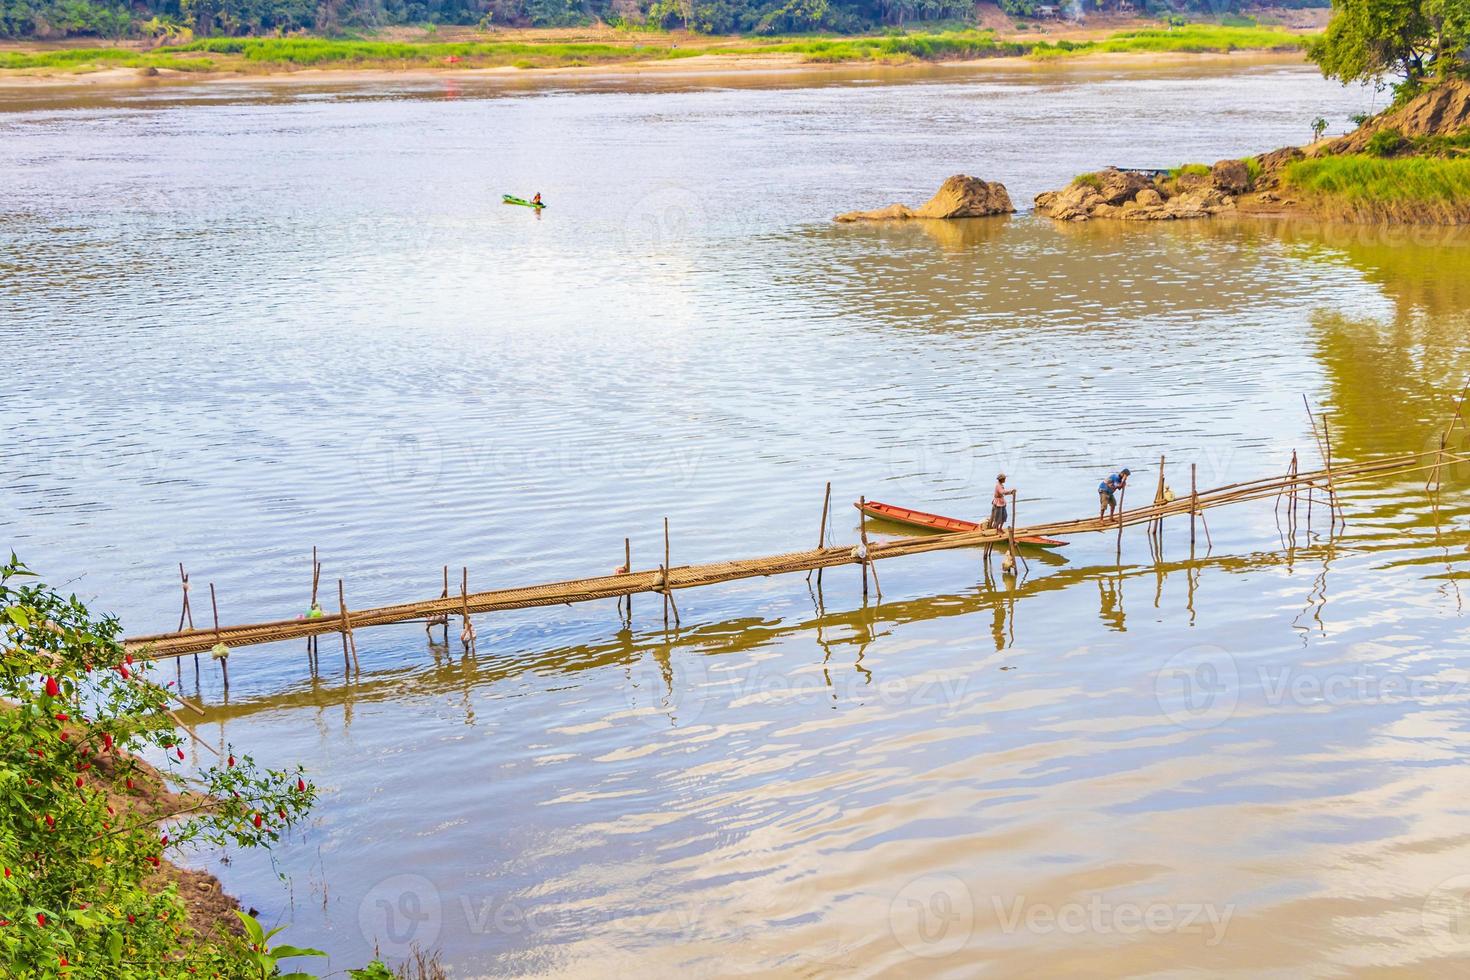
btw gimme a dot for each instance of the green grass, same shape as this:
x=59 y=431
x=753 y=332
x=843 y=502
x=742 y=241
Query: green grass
x=1424 y=190
x=1190 y=170
x=1194 y=38
x=949 y=45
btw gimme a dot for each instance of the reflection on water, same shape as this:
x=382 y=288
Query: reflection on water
x=239 y=325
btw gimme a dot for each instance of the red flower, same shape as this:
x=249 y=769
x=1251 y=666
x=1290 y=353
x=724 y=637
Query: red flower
x=281 y=814
x=66 y=736
x=124 y=672
x=50 y=822
x=53 y=689
x=230 y=762
x=153 y=860
x=300 y=785
x=63 y=716
x=80 y=781
x=180 y=753
x=107 y=741
x=132 y=918
x=41 y=919
x=257 y=820
x=130 y=784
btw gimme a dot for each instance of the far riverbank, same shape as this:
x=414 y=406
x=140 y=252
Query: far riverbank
x=615 y=53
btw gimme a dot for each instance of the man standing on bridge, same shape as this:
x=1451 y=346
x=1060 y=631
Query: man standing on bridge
x=1107 y=491
x=998 y=512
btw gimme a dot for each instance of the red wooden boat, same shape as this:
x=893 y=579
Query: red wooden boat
x=934 y=522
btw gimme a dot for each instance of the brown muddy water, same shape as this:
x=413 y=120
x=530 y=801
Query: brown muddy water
x=242 y=320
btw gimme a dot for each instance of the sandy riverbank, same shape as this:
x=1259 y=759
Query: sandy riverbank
x=751 y=67
x=464 y=53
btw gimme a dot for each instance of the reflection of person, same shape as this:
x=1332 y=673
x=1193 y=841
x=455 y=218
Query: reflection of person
x=998 y=513
x=1107 y=490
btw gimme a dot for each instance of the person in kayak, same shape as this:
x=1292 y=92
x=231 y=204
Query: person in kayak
x=537 y=199
x=1107 y=490
x=998 y=514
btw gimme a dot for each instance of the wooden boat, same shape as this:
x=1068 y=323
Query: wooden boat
x=935 y=522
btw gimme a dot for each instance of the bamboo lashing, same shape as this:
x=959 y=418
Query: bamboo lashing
x=186 y=612
x=666 y=579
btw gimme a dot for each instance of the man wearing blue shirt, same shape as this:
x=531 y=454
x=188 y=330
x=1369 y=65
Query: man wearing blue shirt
x=1107 y=493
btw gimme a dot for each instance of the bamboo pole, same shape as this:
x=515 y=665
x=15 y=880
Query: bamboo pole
x=1336 y=514
x=1194 y=502
x=185 y=612
x=822 y=529
x=349 y=642
x=863 y=541
x=467 y=629
x=627 y=570
x=666 y=573
x=669 y=594
x=1444 y=437
x=224 y=662
x=1158 y=525
x=1122 y=493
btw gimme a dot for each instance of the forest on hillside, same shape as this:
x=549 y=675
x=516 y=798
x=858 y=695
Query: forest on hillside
x=166 y=20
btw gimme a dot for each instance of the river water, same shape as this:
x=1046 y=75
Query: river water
x=242 y=320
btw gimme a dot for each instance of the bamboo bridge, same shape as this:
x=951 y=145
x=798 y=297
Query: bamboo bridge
x=1292 y=488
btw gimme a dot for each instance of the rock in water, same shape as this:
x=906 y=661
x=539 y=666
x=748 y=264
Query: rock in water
x=959 y=197
x=894 y=212
x=1230 y=177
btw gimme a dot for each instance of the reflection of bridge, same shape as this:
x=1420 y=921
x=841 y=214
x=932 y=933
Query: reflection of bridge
x=854 y=628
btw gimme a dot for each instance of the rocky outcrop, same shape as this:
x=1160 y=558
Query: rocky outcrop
x=1130 y=195
x=1443 y=110
x=959 y=196
x=1230 y=177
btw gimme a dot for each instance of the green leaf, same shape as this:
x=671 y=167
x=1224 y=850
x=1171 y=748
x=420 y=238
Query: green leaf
x=296 y=976
x=18 y=617
x=285 y=952
x=115 y=946
x=252 y=927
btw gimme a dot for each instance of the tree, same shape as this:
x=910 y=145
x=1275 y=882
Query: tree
x=1367 y=40
x=79 y=838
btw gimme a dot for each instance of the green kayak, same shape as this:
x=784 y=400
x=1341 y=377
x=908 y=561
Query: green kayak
x=511 y=199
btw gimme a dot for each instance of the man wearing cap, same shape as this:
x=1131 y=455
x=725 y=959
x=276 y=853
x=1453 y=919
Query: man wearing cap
x=1107 y=490
x=998 y=513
